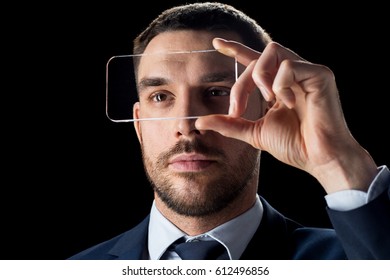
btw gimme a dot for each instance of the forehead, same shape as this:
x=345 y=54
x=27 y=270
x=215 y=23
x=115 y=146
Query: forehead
x=180 y=40
x=183 y=52
x=185 y=63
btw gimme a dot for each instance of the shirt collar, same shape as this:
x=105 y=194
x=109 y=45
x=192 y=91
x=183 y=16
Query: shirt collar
x=162 y=233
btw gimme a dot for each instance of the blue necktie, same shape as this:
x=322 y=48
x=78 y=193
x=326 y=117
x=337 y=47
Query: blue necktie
x=201 y=250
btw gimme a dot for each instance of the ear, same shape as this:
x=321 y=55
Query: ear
x=137 y=124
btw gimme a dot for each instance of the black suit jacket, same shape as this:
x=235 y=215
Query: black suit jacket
x=363 y=233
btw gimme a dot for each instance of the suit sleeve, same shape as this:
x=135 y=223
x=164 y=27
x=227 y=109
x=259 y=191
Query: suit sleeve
x=365 y=231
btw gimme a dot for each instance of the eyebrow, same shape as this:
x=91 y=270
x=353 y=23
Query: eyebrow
x=228 y=76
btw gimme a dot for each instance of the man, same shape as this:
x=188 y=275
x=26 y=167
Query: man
x=204 y=165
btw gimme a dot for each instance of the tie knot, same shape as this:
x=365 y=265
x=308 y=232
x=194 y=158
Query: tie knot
x=201 y=250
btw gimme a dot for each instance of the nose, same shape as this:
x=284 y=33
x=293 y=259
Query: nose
x=187 y=107
x=186 y=127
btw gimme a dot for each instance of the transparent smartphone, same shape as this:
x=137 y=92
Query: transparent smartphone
x=169 y=85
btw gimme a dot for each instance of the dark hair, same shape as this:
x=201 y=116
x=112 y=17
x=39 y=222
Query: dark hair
x=208 y=16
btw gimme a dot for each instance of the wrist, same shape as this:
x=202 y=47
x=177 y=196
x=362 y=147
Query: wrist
x=355 y=171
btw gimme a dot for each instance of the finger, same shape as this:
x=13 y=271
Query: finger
x=244 y=85
x=267 y=67
x=242 y=53
x=239 y=94
x=296 y=78
x=237 y=128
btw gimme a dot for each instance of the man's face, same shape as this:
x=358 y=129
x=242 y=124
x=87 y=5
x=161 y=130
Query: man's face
x=193 y=172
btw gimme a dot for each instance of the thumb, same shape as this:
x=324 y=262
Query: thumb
x=238 y=128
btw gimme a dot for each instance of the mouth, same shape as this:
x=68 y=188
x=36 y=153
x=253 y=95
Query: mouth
x=190 y=162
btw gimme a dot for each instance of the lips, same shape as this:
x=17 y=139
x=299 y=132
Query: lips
x=190 y=162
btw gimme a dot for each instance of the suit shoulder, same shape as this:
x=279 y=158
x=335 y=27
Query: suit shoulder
x=99 y=251
x=317 y=243
x=127 y=245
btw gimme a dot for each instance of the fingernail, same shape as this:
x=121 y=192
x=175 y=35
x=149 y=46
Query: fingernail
x=265 y=93
x=227 y=52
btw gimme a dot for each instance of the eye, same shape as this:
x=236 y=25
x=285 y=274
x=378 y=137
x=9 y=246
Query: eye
x=216 y=100
x=158 y=97
x=216 y=92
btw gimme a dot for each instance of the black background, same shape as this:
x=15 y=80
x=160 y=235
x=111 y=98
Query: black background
x=72 y=178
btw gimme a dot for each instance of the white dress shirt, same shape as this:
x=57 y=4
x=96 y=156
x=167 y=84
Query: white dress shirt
x=162 y=233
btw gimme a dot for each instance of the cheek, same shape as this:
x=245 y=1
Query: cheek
x=236 y=148
x=155 y=138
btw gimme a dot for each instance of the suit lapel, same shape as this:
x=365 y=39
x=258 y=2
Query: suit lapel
x=272 y=240
x=132 y=245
